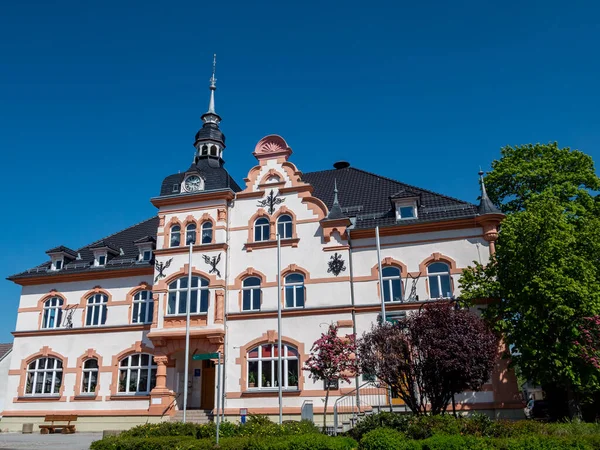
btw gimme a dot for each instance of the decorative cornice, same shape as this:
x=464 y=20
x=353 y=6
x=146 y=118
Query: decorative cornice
x=94 y=274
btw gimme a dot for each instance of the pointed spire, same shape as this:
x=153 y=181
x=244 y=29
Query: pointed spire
x=336 y=210
x=211 y=116
x=485 y=204
x=213 y=87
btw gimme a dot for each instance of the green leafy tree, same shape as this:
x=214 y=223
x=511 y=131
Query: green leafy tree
x=546 y=273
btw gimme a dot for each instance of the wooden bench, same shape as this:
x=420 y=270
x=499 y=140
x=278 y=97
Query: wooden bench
x=65 y=428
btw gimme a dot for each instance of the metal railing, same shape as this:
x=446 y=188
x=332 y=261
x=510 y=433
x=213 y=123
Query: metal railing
x=348 y=409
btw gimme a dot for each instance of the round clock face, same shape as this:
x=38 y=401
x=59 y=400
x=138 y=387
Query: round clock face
x=193 y=183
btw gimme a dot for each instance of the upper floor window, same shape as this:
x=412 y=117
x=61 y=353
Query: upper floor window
x=406 y=210
x=44 y=377
x=190 y=234
x=175 y=236
x=284 y=226
x=96 y=310
x=137 y=374
x=178 y=293
x=251 y=294
x=262 y=229
x=146 y=255
x=52 y=313
x=100 y=259
x=440 y=285
x=262 y=367
x=143 y=307
x=294 y=291
x=57 y=264
x=207 y=232
x=392 y=284
x=205 y=149
x=90 y=376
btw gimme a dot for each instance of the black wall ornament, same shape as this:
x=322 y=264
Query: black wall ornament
x=336 y=264
x=413 y=288
x=271 y=201
x=69 y=311
x=212 y=262
x=160 y=266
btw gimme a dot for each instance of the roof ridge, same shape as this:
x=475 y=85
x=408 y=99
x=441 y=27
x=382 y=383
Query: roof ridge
x=115 y=233
x=398 y=182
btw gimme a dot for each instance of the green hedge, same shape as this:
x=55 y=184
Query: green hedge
x=298 y=442
x=386 y=438
x=478 y=425
x=255 y=426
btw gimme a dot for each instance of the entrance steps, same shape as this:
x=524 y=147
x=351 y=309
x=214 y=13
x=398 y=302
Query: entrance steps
x=194 y=416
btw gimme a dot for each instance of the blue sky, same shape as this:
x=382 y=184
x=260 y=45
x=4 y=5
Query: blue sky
x=100 y=100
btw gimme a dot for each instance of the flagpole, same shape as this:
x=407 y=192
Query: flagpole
x=380 y=274
x=279 y=374
x=381 y=294
x=187 y=335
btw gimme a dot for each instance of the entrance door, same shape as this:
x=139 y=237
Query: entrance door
x=207 y=399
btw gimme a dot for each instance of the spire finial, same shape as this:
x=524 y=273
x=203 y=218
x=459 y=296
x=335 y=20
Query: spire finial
x=213 y=87
x=485 y=204
x=335 y=192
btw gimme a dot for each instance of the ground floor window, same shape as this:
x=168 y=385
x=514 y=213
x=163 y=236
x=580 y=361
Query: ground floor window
x=44 y=377
x=90 y=376
x=262 y=367
x=137 y=374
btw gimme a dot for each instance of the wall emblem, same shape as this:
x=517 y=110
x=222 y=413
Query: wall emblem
x=69 y=311
x=413 y=288
x=271 y=201
x=336 y=264
x=160 y=266
x=212 y=262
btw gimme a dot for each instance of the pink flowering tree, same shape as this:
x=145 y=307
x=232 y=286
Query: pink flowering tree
x=589 y=341
x=332 y=358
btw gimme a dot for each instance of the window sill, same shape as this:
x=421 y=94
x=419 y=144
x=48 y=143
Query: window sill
x=292 y=242
x=39 y=398
x=84 y=397
x=129 y=397
x=253 y=392
x=183 y=315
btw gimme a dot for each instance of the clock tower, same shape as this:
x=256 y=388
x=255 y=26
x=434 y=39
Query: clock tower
x=210 y=141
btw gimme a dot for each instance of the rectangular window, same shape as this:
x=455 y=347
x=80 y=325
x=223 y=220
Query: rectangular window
x=147 y=255
x=101 y=260
x=58 y=264
x=407 y=212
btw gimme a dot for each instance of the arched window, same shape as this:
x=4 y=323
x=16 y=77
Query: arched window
x=137 y=374
x=440 y=285
x=262 y=367
x=143 y=307
x=178 y=296
x=175 y=236
x=213 y=150
x=96 y=310
x=284 y=226
x=294 y=291
x=262 y=229
x=207 y=232
x=205 y=149
x=44 y=377
x=89 y=381
x=392 y=284
x=52 y=313
x=190 y=234
x=251 y=294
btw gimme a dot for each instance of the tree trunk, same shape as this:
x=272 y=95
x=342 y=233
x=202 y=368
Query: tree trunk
x=573 y=404
x=325 y=411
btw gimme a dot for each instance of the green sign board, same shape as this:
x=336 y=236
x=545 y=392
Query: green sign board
x=205 y=356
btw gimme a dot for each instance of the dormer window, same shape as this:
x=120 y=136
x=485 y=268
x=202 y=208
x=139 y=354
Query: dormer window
x=147 y=255
x=145 y=246
x=100 y=259
x=406 y=209
x=60 y=256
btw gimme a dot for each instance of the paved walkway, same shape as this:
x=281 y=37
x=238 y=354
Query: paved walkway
x=18 y=441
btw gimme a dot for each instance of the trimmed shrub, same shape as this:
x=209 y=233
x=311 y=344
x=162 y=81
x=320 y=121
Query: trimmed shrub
x=381 y=420
x=387 y=439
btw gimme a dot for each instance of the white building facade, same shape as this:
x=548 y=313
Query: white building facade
x=101 y=330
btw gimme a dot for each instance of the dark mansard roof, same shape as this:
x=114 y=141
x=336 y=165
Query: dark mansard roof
x=368 y=198
x=364 y=196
